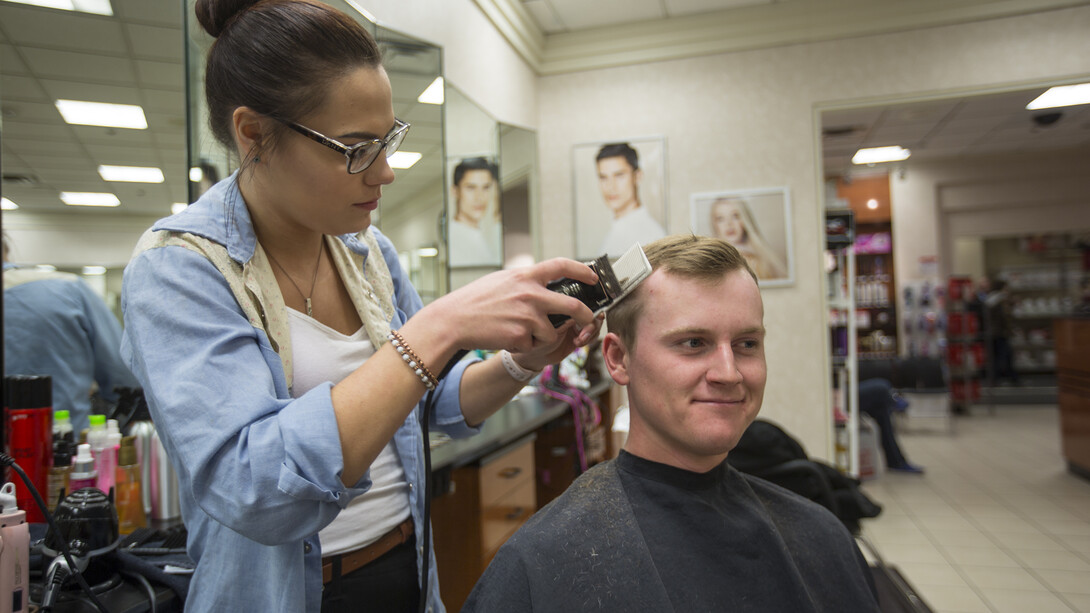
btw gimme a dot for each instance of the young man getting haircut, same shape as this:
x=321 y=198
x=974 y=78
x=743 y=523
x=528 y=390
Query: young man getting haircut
x=669 y=525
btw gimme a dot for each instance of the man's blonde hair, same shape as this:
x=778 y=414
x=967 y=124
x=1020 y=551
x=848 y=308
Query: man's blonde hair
x=699 y=258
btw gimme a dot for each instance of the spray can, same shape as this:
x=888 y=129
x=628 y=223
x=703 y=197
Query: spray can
x=127 y=499
x=140 y=427
x=165 y=503
x=14 y=554
x=28 y=416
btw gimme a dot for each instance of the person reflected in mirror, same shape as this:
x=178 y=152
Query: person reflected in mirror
x=732 y=220
x=55 y=324
x=878 y=400
x=283 y=351
x=669 y=525
x=475 y=231
x=619 y=178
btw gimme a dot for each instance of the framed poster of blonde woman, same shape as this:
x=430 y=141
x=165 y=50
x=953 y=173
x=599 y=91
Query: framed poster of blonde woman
x=757 y=222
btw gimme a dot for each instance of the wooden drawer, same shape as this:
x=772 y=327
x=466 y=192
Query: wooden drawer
x=500 y=519
x=503 y=473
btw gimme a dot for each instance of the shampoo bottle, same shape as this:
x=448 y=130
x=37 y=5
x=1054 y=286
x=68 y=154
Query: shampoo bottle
x=14 y=554
x=128 y=499
x=83 y=470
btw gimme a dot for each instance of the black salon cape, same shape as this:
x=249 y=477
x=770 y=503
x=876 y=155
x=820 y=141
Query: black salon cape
x=634 y=535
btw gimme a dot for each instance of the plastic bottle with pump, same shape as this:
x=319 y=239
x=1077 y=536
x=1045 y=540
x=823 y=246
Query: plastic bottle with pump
x=127 y=491
x=14 y=554
x=83 y=470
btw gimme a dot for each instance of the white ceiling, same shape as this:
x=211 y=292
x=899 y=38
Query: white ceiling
x=136 y=57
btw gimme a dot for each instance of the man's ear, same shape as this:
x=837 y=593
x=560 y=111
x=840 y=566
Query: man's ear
x=248 y=128
x=616 y=357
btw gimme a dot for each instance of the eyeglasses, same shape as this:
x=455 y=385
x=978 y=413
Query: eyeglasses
x=361 y=155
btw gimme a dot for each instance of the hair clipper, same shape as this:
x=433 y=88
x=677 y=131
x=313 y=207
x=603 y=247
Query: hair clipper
x=615 y=281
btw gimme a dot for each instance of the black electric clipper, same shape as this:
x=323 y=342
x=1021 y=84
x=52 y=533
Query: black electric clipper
x=615 y=281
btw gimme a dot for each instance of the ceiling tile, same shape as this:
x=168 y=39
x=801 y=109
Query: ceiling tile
x=54 y=29
x=52 y=64
x=156 y=42
x=580 y=14
x=166 y=75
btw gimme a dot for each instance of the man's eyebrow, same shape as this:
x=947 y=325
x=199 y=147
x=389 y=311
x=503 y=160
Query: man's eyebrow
x=698 y=330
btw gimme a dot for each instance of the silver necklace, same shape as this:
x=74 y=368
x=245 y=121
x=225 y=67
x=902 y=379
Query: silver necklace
x=317 y=265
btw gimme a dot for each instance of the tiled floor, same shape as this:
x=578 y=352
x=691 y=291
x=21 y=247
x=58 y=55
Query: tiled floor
x=996 y=525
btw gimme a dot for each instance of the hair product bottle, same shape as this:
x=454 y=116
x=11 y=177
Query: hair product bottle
x=14 y=554
x=127 y=492
x=83 y=470
x=58 y=473
x=28 y=421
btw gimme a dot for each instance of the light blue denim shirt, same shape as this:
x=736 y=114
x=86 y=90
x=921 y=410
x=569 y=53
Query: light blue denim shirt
x=56 y=325
x=258 y=471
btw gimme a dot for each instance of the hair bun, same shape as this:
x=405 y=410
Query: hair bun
x=214 y=15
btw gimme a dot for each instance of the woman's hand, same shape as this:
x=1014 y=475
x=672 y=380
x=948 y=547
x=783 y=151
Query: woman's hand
x=510 y=309
x=570 y=337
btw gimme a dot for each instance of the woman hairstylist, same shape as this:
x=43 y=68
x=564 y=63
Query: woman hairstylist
x=282 y=349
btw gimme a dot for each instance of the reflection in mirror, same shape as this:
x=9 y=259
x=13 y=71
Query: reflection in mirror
x=518 y=160
x=412 y=205
x=472 y=221
x=134 y=58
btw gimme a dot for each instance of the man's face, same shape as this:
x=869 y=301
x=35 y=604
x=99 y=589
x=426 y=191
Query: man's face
x=618 y=181
x=696 y=375
x=473 y=195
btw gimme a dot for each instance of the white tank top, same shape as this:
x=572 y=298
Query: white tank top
x=322 y=354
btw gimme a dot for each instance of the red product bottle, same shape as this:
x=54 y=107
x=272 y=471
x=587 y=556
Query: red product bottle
x=28 y=436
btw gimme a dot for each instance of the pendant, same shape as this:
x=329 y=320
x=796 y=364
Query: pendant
x=310 y=313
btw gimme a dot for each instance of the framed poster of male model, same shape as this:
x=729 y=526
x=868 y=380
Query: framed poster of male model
x=757 y=222
x=619 y=190
x=474 y=226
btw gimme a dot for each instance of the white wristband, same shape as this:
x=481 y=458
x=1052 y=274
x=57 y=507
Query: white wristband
x=517 y=372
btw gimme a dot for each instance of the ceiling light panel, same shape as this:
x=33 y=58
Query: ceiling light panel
x=131 y=174
x=878 y=155
x=89 y=199
x=1063 y=95
x=83 y=113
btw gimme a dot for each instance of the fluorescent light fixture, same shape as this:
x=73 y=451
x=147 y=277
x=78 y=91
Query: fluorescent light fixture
x=433 y=94
x=131 y=174
x=45 y=268
x=427 y=252
x=91 y=271
x=404 y=159
x=362 y=11
x=8 y=205
x=196 y=174
x=872 y=203
x=178 y=207
x=1061 y=95
x=89 y=199
x=95 y=7
x=104 y=114
x=877 y=155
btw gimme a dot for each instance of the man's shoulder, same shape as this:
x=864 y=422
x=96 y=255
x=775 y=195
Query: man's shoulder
x=592 y=498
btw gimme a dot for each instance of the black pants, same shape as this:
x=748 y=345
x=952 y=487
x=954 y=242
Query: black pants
x=390 y=584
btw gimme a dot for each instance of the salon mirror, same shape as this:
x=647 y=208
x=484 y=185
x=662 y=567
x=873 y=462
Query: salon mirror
x=151 y=54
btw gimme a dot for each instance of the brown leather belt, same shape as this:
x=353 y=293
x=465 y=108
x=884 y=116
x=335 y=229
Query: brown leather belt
x=354 y=560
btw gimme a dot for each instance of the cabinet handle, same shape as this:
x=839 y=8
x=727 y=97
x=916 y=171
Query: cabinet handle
x=510 y=472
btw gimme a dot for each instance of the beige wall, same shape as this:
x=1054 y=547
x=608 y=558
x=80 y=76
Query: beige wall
x=746 y=120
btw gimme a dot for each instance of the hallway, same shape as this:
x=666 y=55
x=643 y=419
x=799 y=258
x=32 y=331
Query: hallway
x=996 y=525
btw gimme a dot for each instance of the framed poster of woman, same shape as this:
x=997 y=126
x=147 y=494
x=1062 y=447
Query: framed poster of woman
x=757 y=222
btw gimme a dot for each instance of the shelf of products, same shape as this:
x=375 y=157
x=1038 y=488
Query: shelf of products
x=964 y=343
x=840 y=283
x=875 y=292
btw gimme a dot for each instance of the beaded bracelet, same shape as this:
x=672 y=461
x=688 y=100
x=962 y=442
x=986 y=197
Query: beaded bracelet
x=517 y=372
x=411 y=359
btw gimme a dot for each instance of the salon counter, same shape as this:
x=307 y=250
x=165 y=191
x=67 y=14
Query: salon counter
x=520 y=417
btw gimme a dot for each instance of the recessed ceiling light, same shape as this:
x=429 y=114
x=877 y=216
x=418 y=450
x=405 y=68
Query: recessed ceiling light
x=94 y=270
x=1061 y=95
x=131 y=174
x=8 y=205
x=427 y=252
x=433 y=94
x=78 y=112
x=877 y=155
x=404 y=159
x=95 y=7
x=89 y=199
x=872 y=203
x=196 y=174
x=178 y=207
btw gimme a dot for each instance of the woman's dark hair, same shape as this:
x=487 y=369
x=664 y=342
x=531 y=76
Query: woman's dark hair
x=277 y=57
